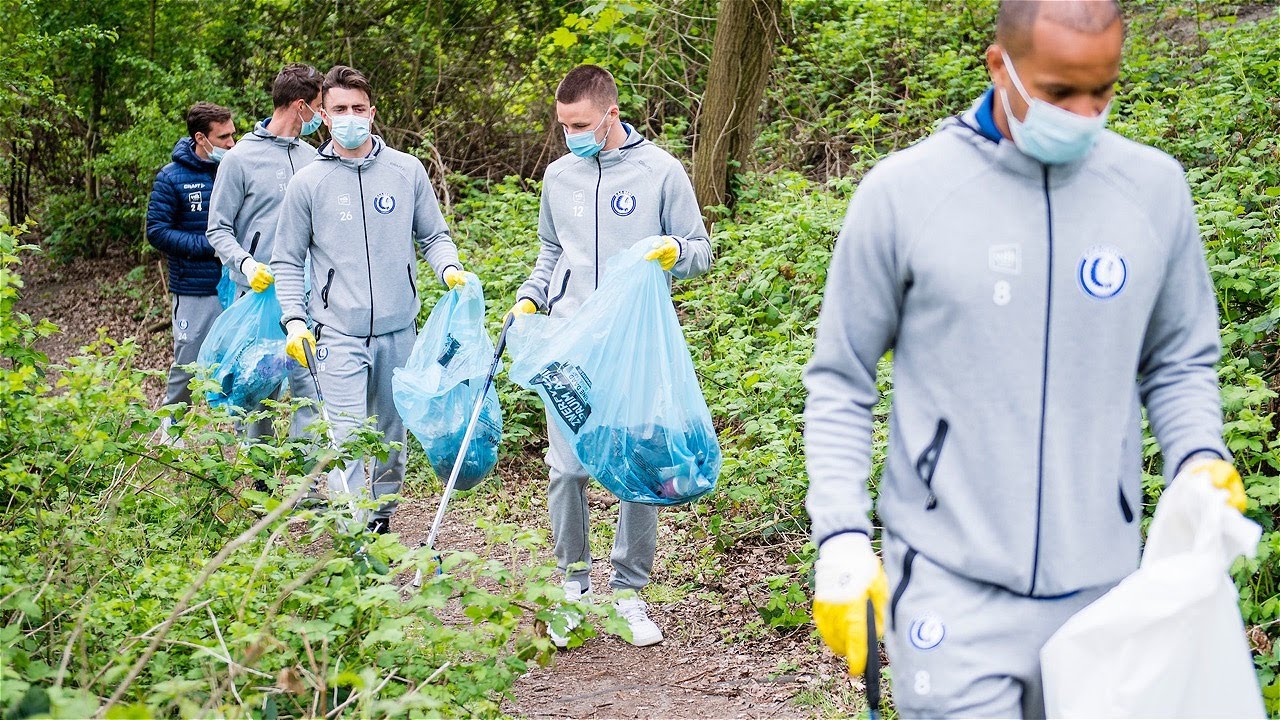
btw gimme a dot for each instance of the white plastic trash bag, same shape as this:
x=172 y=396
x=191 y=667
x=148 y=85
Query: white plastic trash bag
x=1167 y=641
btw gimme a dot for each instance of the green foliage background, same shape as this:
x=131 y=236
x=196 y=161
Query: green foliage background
x=93 y=98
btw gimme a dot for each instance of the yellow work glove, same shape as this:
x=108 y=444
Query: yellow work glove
x=453 y=277
x=260 y=277
x=523 y=306
x=846 y=575
x=666 y=251
x=1218 y=473
x=298 y=334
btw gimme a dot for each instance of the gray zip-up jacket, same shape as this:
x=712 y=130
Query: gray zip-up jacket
x=1032 y=311
x=360 y=220
x=247 y=194
x=594 y=208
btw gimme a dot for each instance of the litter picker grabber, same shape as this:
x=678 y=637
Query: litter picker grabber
x=466 y=443
x=872 y=676
x=328 y=432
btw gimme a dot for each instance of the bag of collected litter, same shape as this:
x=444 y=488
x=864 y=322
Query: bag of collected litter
x=245 y=353
x=621 y=385
x=436 y=391
x=1167 y=641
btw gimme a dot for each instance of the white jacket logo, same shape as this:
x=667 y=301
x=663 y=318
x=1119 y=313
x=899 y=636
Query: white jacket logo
x=623 y=203
x=1102 y=272
x=384 y=203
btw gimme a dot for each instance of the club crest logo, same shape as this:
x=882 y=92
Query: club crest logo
x=566 y=387
x=1102 y=272
x=622 y=203
x=280 y=174
x=184 y=324
x=322 y=353
x=344 y=199
x=384 y=203
x=927 y=632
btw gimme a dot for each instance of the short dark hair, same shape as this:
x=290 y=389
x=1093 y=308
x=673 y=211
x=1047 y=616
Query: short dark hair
x=347 y=78
x=588 y=81
x=202 y=116
x=1016 y=18
x=296 y=81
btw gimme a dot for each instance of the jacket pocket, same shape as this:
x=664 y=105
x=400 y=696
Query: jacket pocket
x=908 y=560
x=927 y=463
x=1125 y=508
x=253 y=246
x=413 y=286
x=324 y=293
x=564 y=287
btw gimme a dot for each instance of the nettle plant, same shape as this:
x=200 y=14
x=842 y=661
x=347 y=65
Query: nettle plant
x=141 y=579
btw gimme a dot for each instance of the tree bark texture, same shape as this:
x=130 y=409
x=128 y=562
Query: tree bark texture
x=746 y=38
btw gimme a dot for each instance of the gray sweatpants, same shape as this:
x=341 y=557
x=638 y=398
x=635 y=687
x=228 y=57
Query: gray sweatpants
x=192 y=317
x=634 y=542
x=962 y=648
x=355 y=376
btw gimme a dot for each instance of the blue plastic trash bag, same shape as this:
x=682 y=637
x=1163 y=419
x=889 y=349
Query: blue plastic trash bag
x=226 y=289
x=621 y=386
x=436 y=391
x=245 y=353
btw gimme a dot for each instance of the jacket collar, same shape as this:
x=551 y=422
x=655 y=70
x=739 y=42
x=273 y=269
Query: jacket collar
x=326 y=152
x=260 y=132
x=1005 y=154
x=609 y=158
x=184 y=153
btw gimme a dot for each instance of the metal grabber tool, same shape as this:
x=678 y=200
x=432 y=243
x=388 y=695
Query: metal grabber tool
x=462 y=449
x=872 y=676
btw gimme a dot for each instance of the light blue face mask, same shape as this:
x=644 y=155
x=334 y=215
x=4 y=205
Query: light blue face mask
x=1049 y=133
x=216 y=153
x=350 y=131
x=584 y=144
x=312 y=125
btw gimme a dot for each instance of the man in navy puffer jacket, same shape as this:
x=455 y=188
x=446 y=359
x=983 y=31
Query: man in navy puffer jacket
x=176 y=219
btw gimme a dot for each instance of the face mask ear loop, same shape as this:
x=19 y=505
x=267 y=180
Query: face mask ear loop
x=1013 y=75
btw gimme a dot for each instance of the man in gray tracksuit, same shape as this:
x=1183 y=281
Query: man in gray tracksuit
x=245 y=206
x=613 y=189
x=359 y=211
x=1039 y=280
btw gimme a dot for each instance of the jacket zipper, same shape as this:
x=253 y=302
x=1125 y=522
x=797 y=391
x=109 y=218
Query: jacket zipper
x=599 y=177
x=564 y=287
x=368 y=263
x=253 y=246
x=412 y=286
x=288 y=153
x=1044 y=381
x=907 y=561
x=324 y=293
x=927 y=463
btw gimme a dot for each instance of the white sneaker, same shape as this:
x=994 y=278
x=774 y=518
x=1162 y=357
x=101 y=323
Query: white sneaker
x=643 y=630
x=573 y=592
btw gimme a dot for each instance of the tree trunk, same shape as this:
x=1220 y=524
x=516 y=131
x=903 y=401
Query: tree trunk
x=746 y=37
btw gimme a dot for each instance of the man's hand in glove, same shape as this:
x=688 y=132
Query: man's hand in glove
x=1217 y=473
x=453 y=277
x=523 y=306
x=299 y=334
x=666 y=251
x=260 y=277
x=846 y=575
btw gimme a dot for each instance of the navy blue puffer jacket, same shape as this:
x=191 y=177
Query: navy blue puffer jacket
x=176 y=218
